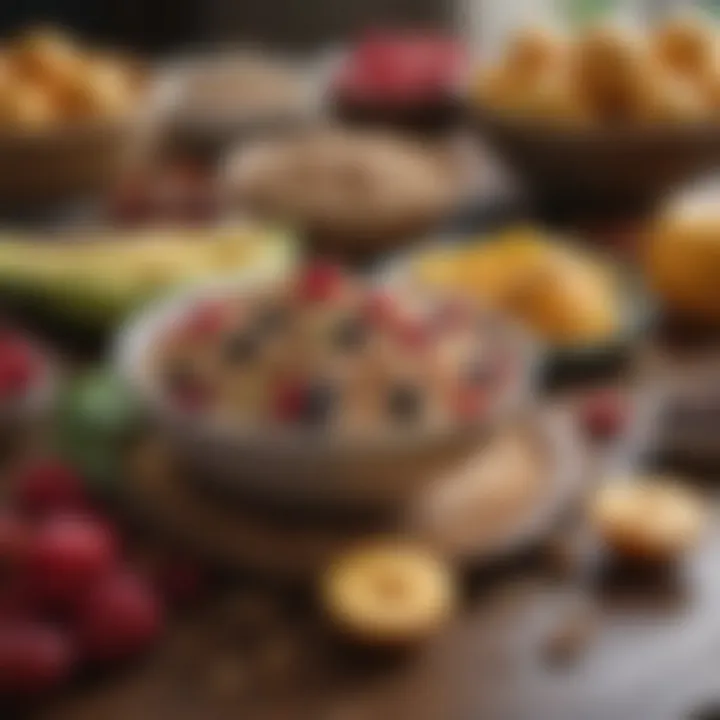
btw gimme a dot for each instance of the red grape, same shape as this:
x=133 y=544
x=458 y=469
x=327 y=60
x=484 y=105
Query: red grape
x=14 y=539
x=33 y=657
x=120 y=617
x=68 y=553
x=49 y=485
x=18 y=599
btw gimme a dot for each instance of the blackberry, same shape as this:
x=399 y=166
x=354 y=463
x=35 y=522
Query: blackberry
x=405 y=402
x=350 y=334
x=318 y=403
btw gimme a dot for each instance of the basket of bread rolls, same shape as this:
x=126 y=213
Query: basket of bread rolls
x=69 y=117
x=613 y=114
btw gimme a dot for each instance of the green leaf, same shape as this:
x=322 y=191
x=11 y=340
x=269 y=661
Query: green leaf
x=96 y=415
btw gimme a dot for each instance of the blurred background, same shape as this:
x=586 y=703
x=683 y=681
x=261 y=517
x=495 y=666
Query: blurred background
x=519 y=155
x=162 y=25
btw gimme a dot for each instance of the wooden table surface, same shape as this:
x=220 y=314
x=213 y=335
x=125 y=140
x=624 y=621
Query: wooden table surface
x=653 y=655
x=255 y=651
x=537 y=639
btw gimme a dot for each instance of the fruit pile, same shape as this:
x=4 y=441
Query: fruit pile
x=323 y=351
x=68 y=598
x=397 y=69
x=566 y=295
x=46 y=79
x=607 y=75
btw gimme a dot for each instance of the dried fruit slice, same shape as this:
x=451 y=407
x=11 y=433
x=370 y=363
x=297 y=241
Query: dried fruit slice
x=649 y=519
x=390 y=593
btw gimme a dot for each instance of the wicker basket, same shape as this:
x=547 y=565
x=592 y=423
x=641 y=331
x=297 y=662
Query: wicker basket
x=66 y=163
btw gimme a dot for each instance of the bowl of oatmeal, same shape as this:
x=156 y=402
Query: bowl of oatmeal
x=321 y=387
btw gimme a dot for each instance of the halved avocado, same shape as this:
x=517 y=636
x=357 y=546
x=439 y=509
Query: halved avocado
x=96 y=279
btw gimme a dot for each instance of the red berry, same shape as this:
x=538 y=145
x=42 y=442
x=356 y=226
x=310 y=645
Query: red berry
x=452 y=313
x=34 y=657
x=605 y=414
x=49 y=485
x=472 y=403
x=413 y=334
x=289 y=401
x=14 y=540
x=379 y=308
x=319 y=282
x=17 y=599
x=18 y=367
x=68 y=554
x=120 y=617
x=205 y=320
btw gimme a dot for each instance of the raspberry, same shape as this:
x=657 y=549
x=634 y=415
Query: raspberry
x=379 y=308
x=413 y=335
x=319 y=282
x=205 y=320
x=605 y=414
x=471 y=403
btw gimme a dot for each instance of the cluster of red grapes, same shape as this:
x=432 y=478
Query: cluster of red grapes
x=69 y=597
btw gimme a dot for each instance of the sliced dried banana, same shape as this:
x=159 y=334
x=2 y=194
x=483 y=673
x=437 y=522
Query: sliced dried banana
x=653 y=519
x=389 y=593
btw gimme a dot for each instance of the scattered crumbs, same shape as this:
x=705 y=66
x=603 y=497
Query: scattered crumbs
x=247 y=614
x=227 y=678
x=276 y=658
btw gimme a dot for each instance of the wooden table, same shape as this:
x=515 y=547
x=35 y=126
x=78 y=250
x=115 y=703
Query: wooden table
x=260 y=652
x=536 y=640
x=654 y=656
